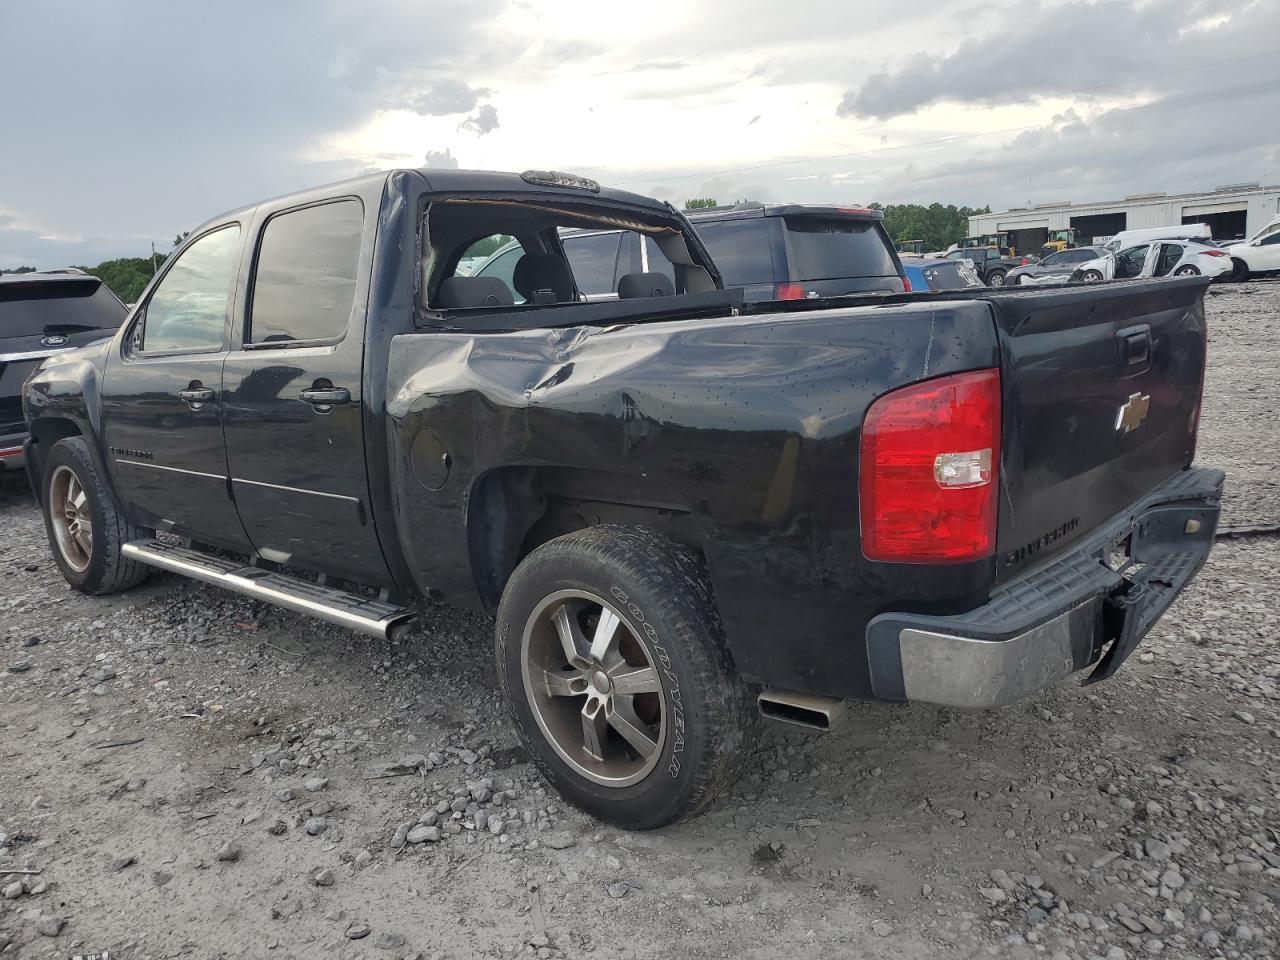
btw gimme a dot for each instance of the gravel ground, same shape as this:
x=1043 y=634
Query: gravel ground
x=191 y=774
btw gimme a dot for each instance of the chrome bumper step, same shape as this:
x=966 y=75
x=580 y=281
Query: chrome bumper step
x=363 y=614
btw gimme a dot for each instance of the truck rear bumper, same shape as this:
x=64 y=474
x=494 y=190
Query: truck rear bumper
x=1088 y=606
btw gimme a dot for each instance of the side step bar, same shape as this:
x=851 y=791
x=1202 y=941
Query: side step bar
x=801 y=709
x=363 y=614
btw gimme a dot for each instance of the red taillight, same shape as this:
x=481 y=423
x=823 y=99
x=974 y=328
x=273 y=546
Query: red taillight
x=1024 y=262
x=788 y=291
x=906 y=284
x=1212 y=253
x=857 y=211
x=930 y=462
x=8 y=453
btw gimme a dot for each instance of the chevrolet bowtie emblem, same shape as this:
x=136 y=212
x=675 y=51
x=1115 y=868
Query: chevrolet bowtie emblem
x=1133 y=411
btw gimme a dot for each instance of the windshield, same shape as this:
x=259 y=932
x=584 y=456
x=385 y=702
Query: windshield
x=57 y=308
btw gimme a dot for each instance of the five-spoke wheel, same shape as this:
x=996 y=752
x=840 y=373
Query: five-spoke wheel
x=594 y=688
x=71 y=518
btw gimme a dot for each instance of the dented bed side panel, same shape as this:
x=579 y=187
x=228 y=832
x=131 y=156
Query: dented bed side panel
x=749 y=425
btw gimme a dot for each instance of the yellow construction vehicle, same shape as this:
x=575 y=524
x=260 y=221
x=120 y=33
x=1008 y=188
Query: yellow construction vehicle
x=1059 y=240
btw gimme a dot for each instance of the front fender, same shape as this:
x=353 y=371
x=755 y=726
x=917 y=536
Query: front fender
x=65 y=392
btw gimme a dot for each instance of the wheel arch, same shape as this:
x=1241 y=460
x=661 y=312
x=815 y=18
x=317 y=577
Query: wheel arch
x=45 y=432
x=514 y=509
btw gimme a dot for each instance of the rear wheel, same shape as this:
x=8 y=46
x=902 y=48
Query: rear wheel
x=85 y=529
x=612 y=662
x=1091 y=276
x=995 y=278
x=1023 y=280
x=1239 y=270
x=1187 y=271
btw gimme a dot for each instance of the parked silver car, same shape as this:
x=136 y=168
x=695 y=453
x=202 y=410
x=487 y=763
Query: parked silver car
x=1053 y=269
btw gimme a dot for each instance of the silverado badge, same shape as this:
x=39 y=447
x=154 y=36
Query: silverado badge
x=1133 y=411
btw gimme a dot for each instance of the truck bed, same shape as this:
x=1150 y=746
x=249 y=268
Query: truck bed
x=749 y=427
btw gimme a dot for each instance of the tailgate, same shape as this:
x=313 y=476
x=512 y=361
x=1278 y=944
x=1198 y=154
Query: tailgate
x=1101 y=400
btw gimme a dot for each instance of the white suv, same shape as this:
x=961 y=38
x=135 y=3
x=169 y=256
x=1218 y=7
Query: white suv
x=1259 y=255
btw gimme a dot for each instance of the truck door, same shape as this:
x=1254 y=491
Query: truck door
x=294 y=403
x=162 y=402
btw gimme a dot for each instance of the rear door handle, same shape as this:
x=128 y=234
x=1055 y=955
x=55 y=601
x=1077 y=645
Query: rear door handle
x=196 y=395
x=326 y=396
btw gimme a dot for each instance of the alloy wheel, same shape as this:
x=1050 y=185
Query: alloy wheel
x=594 y=688
x=72 y=521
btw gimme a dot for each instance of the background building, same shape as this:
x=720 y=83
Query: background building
x=1232 y=211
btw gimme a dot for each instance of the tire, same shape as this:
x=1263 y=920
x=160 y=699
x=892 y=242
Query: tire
x=1091 y=276
x=1239 y=270
x=1022 y=280
x=1187 y=271
x=91 y=562
x=692 y=714
x=995 y=278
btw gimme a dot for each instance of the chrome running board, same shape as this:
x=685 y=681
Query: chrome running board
x=363 y=614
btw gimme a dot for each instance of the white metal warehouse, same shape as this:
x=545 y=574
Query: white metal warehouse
x=1232 y=211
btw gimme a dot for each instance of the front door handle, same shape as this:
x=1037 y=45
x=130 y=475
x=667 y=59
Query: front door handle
x=326 y=396
x=196 y=394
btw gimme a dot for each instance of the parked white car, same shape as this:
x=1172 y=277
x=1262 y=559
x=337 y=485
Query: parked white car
x=1261 y=254
x=1183 y=231
x=1163 y=258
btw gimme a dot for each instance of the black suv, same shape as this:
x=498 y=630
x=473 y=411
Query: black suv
x=797 y=252
x=773 y=252
x=42 y=314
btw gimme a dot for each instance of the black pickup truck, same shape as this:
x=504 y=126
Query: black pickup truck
x=683 y=512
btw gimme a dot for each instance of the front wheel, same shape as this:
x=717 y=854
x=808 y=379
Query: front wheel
x=1239 y=270
x=995 y=278
x=612 y=662
x=1091 y=276
x=85 y=529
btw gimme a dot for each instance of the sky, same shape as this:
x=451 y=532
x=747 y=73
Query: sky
x=126 y=122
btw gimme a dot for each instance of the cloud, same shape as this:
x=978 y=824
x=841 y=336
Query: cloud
x=484 y=120
x=1113 y=48
x=441 y=159
x=447 y=96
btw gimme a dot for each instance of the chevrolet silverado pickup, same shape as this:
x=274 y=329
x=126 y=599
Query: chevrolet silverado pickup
x=683 y=512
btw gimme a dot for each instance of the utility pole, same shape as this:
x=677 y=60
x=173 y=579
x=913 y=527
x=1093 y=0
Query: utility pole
x=154 y=266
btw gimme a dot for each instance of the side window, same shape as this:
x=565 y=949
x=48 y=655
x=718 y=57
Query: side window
x=594 y=260
x=1054 y=260
x=740 y=248
x=305 y=282
x=188 y=310
x=501 y=264
x=1273 y=237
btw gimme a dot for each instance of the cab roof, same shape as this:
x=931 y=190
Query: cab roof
x=440 y=180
